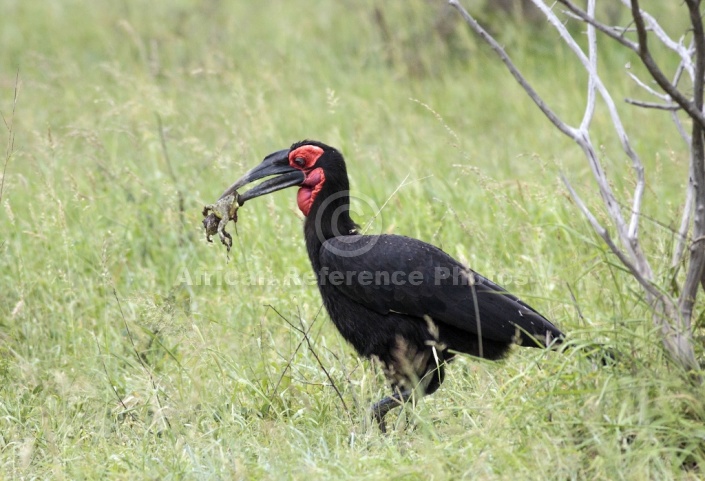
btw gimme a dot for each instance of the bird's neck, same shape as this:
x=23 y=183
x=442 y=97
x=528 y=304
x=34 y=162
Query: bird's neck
x=329 y=217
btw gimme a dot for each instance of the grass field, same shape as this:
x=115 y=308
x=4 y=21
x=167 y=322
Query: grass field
x=132 y=349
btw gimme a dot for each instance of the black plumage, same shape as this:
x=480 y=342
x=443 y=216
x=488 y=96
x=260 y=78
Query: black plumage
x=397 y=299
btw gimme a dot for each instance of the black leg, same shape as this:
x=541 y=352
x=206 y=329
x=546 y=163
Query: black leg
x=380 y=408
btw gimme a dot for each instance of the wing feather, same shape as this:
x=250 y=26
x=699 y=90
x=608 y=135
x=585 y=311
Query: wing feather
x=400 y=274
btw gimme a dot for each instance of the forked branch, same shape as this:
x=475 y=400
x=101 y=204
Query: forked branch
x=641 y=48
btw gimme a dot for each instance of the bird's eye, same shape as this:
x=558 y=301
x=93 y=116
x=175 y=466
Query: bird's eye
x=300 y=161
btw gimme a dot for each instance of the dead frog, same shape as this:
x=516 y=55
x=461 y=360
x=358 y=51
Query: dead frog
x=217 y=217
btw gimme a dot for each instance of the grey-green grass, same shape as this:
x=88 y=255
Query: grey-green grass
x=130 y=350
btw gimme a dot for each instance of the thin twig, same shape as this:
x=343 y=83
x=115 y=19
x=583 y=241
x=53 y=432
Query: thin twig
x=403 y=184
x=652 y=105
x=291 y=359
x=614 y=33
x=592 y=85
x=304 y=333
x=297 y=328
x=575 y=303
x=11 y=134
x=167 y=159
x=657 y=222
x=330 y=379
x=648 y=88
x=105 y=369
x=141 y=360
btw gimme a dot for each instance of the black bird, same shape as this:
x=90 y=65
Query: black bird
x=399 y=300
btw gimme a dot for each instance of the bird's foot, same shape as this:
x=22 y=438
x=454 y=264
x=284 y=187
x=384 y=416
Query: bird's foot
x=382 y=407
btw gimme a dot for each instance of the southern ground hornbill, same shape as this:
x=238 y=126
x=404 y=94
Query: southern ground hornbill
x=397 y=299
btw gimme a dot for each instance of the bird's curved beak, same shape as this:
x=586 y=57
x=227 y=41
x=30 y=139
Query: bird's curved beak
x=277 y=164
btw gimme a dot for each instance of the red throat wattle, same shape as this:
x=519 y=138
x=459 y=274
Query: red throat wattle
x=310 y=189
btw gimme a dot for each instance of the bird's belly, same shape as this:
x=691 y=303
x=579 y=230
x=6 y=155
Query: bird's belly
x=369 y=332
x=355 y=322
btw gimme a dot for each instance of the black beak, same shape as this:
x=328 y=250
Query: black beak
x=274 y=164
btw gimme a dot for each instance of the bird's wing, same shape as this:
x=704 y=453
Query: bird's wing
x=400 y=274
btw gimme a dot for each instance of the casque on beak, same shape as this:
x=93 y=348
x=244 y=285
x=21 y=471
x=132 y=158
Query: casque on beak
x=276 y=164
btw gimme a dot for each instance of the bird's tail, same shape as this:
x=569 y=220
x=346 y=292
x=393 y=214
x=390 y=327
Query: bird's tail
x=593 y=351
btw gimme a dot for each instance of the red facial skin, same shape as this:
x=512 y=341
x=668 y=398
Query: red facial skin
x=315 y=177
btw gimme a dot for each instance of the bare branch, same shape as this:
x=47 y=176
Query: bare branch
x=652 y=105
x=592 y=86
x=695 y=113
x=628 y=234
x=679 y=249
x=682 y=237
x=676 y=80
x=579 y=136
x=696 y=266
x=662 y=96
x=614 y=33
x=678 y=47
x=170 y=169
x=681 y=66
x=325 y=371
x=674 y=340
x=681 y=130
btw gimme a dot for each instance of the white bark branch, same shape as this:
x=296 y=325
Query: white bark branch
x=682 y=235
x=637 y=80
x=652 y=105
x=592 y=86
